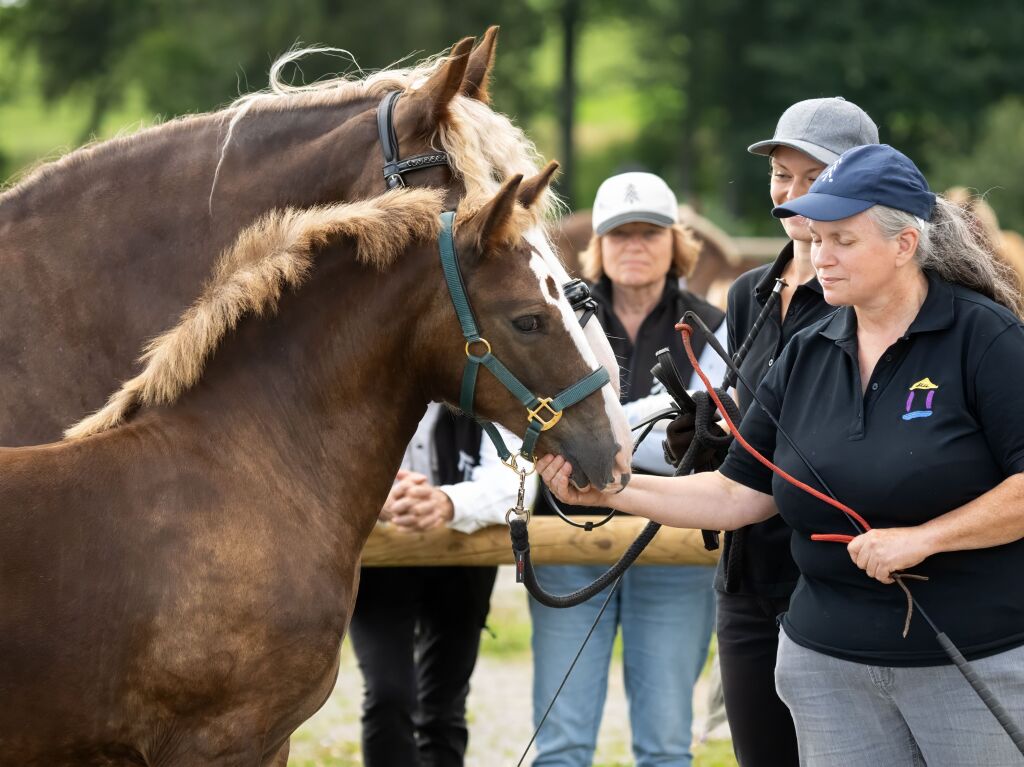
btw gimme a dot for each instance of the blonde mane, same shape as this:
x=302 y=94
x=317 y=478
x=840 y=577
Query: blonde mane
x=484 y=146
x=272 y=255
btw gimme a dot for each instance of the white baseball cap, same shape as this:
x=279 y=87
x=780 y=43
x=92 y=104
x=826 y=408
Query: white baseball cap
x=630 y=197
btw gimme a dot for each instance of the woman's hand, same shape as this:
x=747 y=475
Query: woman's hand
x=415 y=505
x=555 y=471
x=884 y=551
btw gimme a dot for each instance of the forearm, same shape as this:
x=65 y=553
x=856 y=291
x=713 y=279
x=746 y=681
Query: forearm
x=707 y=501
x=992 y=519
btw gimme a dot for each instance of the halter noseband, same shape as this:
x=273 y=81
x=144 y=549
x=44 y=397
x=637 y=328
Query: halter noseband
x=541 y=412
x=394 y=167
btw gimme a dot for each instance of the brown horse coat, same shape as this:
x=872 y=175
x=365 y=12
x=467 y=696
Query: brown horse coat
x=175 y=588
x=104 y=248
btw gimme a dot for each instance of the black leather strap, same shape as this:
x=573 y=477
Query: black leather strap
x=394 y=167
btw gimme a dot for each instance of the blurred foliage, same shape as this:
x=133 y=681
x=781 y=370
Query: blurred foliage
x=677 y=86
x=993 y=165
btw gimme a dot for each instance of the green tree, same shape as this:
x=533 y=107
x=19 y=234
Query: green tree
x=79 y=45
x=993 y=165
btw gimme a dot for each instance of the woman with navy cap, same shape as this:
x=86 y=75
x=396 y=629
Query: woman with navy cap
x=906 y=402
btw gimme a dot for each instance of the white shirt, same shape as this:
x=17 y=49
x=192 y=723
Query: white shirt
x=492 y=488
x=650 y=456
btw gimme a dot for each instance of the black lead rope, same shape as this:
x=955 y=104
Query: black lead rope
x=520 y=535
x=1010 y=727
x=704 y=409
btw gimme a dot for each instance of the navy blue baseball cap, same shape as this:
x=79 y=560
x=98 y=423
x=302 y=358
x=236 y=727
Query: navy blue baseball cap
x=875 y=174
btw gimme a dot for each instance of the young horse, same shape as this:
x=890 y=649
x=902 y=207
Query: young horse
x=176 y=581
x=101 y=250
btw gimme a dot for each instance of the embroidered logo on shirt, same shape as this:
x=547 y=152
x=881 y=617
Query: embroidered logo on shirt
x=924 y=385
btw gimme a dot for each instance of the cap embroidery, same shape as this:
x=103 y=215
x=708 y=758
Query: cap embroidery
x=632 y=196
x=926 y=385
x=832 y=169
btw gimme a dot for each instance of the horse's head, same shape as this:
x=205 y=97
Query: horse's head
x=514 y=283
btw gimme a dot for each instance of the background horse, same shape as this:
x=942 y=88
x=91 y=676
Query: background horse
x=176 y=580
x=104 y=248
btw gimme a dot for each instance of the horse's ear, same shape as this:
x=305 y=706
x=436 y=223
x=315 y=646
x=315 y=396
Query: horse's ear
x=534 y=187
x=490 y=224
x=428 y=104
x=478 y=73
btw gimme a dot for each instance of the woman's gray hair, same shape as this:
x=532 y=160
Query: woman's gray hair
x=952 y=248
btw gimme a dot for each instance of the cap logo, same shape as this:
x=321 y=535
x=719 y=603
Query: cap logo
x=831 y=169
x=631 y=196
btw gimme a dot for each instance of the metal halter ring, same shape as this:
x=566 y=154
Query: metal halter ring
x=478 y=341
x=534 y=414
x=512 y=463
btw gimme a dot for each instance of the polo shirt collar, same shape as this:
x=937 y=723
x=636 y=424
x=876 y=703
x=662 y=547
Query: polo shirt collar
x=767 y=283
x=936 y=313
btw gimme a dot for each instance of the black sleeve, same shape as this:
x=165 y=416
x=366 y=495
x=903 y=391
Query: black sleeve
x=997 y=405
x=756 y=428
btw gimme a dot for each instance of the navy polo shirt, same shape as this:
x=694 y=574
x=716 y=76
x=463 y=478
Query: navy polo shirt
x=940 y=423
x=758 y=555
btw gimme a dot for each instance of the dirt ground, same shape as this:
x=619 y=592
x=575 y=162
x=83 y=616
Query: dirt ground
x=499 y=706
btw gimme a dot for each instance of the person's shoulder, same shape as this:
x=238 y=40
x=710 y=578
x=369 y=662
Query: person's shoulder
x=975 y=308
x=708 y=312
x=742 y=288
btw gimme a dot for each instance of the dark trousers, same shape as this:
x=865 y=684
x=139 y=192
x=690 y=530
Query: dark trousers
x=748 y=642
x=416 y=633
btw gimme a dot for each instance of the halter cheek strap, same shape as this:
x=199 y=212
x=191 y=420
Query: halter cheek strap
x=394 y=167
x=542 y=413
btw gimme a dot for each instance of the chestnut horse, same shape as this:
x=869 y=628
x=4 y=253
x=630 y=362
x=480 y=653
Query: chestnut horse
x=103 y=249
x=176 y=578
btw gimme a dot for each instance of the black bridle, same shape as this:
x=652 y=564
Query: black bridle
x=394 y=166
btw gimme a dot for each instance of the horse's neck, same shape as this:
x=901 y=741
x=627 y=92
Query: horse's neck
x=272 y=158
x=105 y=248
x=328 y=393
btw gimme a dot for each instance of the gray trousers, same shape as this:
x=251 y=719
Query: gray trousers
x=855 y=715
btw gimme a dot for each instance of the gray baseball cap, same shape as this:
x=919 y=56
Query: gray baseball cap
x=821 y=128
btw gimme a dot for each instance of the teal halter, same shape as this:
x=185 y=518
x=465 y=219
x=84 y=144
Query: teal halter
x=541 y=412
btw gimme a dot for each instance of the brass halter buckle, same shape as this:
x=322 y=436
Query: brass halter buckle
x=547 y=423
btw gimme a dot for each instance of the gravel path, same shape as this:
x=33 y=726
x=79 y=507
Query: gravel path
x=499 y=708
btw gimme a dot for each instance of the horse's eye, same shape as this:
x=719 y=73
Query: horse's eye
x=528 y=323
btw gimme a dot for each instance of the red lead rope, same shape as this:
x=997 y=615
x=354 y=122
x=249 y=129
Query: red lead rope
x=686 y=332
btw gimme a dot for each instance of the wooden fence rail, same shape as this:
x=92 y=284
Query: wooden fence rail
x=552 y=541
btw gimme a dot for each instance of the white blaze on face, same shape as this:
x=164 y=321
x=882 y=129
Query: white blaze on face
x=591 y=342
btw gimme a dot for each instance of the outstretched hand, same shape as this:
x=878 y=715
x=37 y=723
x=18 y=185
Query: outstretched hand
x=556 y=471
